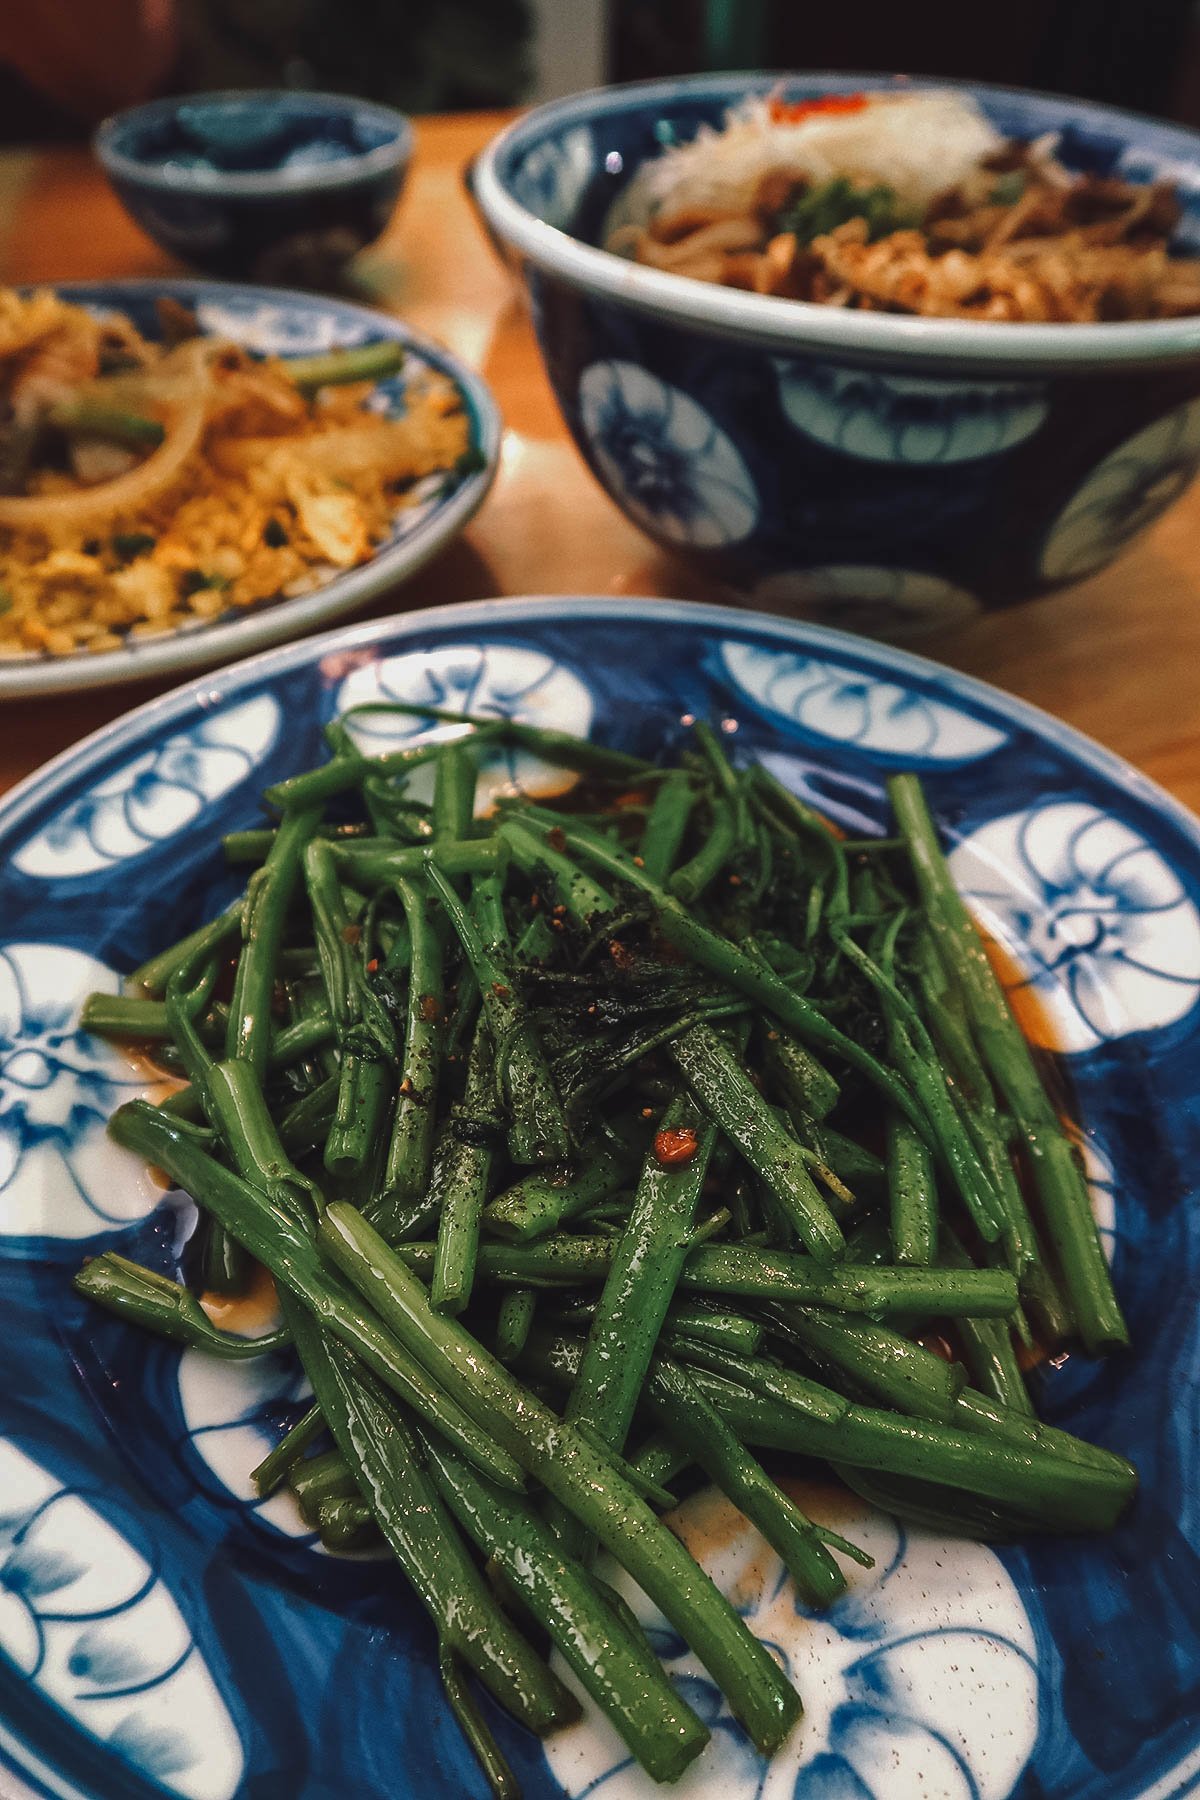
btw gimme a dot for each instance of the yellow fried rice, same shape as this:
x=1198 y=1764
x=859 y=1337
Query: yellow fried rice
x=252 y=518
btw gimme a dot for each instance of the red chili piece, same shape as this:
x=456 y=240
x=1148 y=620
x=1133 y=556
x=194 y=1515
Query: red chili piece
x=785 y=112
x=676 y=1146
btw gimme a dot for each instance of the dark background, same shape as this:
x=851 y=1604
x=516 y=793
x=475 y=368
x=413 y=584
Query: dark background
x=436 y=55
x=1137 y=53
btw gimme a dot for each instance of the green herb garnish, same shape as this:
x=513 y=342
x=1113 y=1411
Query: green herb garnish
x=129 y=544
x=819 y=210
x=194 y=581
x=470 y=462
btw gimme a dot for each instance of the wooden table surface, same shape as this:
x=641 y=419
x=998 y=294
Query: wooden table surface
x=1117 y=656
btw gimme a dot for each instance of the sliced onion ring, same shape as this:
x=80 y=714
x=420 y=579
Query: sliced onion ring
x=35 y=512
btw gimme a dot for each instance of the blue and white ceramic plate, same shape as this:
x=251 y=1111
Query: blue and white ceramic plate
x=163 y=1634
x=277 y=321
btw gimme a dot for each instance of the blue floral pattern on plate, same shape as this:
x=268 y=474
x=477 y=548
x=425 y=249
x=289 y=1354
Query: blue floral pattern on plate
x=832 y=703
x=950 y=1670
x=86 y=1618
x=908 y=419
x=1102 y=1188
x=60 y=1177
x=279 y=328
x=154 y=796
x=233 y=1415
x=904 y=1678
x=494 y=681
x=1106 y=937
x=665 y=458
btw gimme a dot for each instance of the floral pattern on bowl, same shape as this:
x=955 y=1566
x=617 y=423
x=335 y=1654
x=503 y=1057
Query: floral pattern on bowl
x=664 y=458
x=150 y=799
x=87 y=1619
x=824 y=437
x=553 y=181
x=904 y=1677
x=1124 y=494
x=1107 y=940
x=907 y=418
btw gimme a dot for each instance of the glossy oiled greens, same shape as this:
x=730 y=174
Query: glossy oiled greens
x=596 y=1145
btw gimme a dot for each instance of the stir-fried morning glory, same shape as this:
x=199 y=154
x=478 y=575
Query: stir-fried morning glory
x=600 y=1148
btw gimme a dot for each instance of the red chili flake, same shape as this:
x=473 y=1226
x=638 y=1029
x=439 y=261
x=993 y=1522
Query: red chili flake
x=557 y=925
x=500 y=991
x=535 y=900
x=639 y=862
x=674 y=1147
x=621 y=955
x=647 y=1112
x=635 y=798
x=557 y=838
x=372 y=965
x=406 y=1086
x=735 y=881
x=789 y=112
x=559 y=911
x=351 y=933
x=429 y=1009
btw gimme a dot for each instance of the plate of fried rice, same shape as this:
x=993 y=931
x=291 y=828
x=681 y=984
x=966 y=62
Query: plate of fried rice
x=192 y=470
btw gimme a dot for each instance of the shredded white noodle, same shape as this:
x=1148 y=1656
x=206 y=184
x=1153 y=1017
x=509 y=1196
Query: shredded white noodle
x=918 y=143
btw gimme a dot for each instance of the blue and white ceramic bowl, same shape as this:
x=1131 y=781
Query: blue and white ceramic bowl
x=269 y=185
x=164 y=1633
x=872 y=470
x=272 y=321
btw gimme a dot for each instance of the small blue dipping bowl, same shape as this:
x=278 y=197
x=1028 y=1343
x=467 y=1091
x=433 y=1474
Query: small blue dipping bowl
x=267 y=185
x=878 y=471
